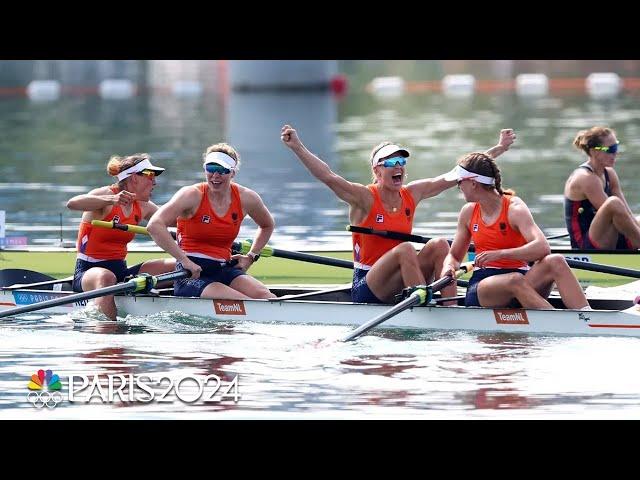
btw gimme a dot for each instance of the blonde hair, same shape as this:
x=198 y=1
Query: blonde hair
x=224 y=148
x=117 y=164
x=593 y=137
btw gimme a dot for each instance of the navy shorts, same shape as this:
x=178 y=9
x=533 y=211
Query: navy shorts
x=360 y=291
x=471 y=299
x=118 y=267
x=212 y=271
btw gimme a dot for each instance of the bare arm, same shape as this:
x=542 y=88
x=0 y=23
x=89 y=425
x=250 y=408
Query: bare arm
x=182 y=204
x=257 y=210
x=98 y=202
x=537 y=246
x=460 y=243
x=616 y=189
x=430 y=187
x=355 y=194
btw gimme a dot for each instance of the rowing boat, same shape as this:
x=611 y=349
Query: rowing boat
x=315 y=306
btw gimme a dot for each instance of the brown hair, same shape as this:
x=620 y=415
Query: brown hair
x=593 y=137
x=224 y=148
x=117 y=164
x=483 y=164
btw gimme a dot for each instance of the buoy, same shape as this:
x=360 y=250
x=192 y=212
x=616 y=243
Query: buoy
x=186 y=89
x=338 y=85
x=532 y=85
x=388 y=87
x=116 y=88
x=603 y=85
x=43 y=90
x=458 y=85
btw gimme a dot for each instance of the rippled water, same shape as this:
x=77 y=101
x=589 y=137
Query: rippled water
x=284 y=371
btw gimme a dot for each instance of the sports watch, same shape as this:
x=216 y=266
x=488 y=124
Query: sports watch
x=254 y=256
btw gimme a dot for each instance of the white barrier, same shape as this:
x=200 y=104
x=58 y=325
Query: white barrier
x=43 y=90
x=459 y=85
x=116 y=88
x=603 y=85
x=388 y=87
x=186 y=89
x=532 y=85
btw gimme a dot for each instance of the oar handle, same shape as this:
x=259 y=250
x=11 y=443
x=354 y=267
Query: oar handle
x=127 y=227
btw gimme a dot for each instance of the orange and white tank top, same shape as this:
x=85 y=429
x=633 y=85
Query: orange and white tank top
x=95 y=244
x=207 y=235
x=367 y=249
x=498 y=235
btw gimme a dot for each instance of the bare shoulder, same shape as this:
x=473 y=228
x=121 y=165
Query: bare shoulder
x=517 y=206
x=466 y=211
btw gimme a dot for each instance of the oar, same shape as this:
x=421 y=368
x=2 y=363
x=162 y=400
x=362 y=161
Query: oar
x=143 y=282
x=126 y=227
x=602 y=268
x=406 y=237
x=243 y=247
x=422 y=294
x=17 y=286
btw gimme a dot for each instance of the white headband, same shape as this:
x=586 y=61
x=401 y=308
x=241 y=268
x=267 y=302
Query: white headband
x=459 y=173
x=139 y=167
x=386 y=151
x=220 y=158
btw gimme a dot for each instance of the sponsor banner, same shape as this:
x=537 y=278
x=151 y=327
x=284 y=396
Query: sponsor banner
x=229 y=307
x=511 y=316
x=12 y=241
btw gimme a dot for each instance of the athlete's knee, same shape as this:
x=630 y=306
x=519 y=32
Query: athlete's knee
x=105 y=279
x=556 y=262
x=404 y=250
x=440 y=245
x=614 y=204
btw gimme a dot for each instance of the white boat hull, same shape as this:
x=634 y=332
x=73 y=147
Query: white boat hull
x=297 y=311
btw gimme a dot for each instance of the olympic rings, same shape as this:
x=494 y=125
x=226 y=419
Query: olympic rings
x=37 y=399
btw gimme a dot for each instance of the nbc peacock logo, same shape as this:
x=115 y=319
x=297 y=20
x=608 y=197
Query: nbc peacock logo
x=45 y=389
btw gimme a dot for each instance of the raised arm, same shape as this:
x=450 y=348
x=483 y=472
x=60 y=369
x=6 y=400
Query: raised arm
x=98 y=202
x=183 y=204
x=355 y=194
x=536 y=247
x=257 y=210
x=430 y=187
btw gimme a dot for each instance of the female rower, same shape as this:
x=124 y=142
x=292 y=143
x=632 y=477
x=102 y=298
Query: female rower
x=101 y=252
x=208 y=216
x=595 y=210
x=506 y=239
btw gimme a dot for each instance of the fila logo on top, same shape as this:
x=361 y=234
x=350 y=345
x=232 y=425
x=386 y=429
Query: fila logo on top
x=116 y=219
x=475 y=227
x=379 y=218
x=206 y=219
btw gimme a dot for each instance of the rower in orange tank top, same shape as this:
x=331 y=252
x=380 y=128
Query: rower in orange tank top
x=101 y=252
x=208 y=216
x=506 y=239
